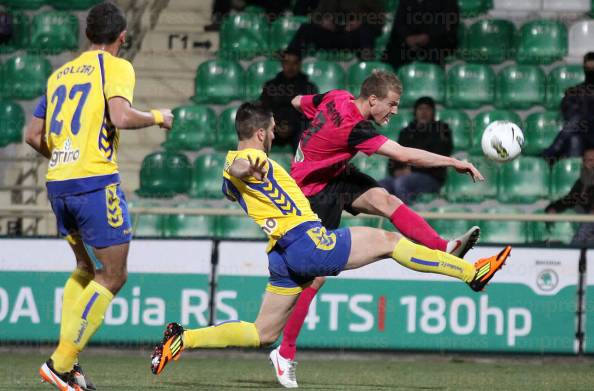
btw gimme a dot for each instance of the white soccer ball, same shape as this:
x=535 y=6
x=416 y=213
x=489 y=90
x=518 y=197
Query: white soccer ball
x=502 y=141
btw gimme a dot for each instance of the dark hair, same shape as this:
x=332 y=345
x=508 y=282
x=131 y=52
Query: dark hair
x=105 y=22
x=589 y=56
x=425 y=100
x=250 y=117
x=379 y=83
x=295 y=53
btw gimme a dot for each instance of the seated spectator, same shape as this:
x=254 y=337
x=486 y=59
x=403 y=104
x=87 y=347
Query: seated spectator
x=340 y=26
x=425 y=31
x=578 y=117
x=423 y=133
x=277 y=94
x=581 y=199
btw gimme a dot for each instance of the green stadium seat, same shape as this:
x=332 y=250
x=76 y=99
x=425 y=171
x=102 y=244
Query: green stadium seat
x=282 y=31
x=540 y=131
x=460 y=124
x=505 y=232
x=146 y=224
x=472 y=8
x=483 y=119
x=257 y=74
x=243 y=36
x=226 y=133
x=25 y=4
x=164 y=174
x=20 y=32
x=450 y=229
x=520 y=87
x=460 y=187
x=563 y=176
x=381 y=42
x=421 y=79
x=560 y=79
x=12 y=121
x=396 y=124
x=541 y=42
x=389 y=5
x=488 y=41
x=207 y=176
x=219 y=82
x=325 y=75
x=238 y=227
x=190 y=225
x=557 y=232
x=194 y=128
x=54 y=32
x=359 y=221
x=284 y=159
x=375 y=165
x=470 y=86
x=26 y=76
x=73 y=4
x=523 y=180
x=358 y=72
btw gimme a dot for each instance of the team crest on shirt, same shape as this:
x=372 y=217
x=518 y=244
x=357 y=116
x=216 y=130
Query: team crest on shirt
x=65 y=155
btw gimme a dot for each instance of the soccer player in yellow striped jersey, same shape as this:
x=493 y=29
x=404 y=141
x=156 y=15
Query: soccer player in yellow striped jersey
x=75 y=125
x=300 y=248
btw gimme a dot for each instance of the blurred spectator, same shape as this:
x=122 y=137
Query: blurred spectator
x=425 y=31
x=305 y=7
x=341 y=26
x=5 y=27
x=277 y=94
x=580 y=198
x=222 y=8
x=578 y=117
x=423 y=133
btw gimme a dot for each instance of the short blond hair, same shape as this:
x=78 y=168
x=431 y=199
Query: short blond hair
x=379 y=83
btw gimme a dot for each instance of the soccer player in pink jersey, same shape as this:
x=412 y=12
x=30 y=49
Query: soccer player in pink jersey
x=341 y=126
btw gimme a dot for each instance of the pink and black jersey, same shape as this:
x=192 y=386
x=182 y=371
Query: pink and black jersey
x=336 y=133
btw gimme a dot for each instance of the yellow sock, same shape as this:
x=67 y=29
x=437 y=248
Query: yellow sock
x=74 y=286
x=86 y=317
x=232 y=333
x=422 y=259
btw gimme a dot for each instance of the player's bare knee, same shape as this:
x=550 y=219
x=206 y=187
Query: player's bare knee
x=318 y=282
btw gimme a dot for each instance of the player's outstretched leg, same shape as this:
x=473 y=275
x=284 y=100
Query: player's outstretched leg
x=273 y=315
x=377 y=201
x=370 y=245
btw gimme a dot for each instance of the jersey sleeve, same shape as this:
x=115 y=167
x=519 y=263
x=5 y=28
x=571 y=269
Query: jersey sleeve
x=41 y=108
x=309 y=104
x=253 y=154
x=119 y=80
x=364 y=138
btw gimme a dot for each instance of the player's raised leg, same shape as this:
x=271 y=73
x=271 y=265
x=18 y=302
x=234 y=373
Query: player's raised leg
x=377 y=201
x=371 y=244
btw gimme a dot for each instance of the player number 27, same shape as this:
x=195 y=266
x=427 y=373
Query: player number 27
x=58 y=99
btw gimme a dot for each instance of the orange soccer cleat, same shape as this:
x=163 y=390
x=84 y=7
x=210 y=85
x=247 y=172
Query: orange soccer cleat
x=169 y=349
x=486 y=269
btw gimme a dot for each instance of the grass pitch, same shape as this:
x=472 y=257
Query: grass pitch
x=129 y=370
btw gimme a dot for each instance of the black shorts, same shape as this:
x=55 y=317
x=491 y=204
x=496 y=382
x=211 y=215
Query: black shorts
x=339 y=194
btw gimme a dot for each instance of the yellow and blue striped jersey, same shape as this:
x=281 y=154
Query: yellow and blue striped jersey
x=276 y=205
x=82 y=141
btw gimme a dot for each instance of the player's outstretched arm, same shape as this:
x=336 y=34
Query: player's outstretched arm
x=244 y=169
x=35 y=136
x=124 y=116
x=421 y=158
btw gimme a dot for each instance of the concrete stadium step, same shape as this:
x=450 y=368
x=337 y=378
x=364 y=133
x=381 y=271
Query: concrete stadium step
x=181 y=65
x=164 y=87
x=180 y=39
x=201 y=6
